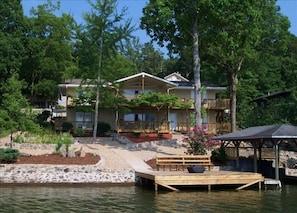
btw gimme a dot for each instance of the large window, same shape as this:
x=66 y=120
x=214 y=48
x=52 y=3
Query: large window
x=83 y=120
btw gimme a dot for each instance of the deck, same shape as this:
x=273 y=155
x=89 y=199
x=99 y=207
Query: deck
x=171 y=180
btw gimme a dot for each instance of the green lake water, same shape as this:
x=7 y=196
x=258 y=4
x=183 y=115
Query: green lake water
x=72 y=198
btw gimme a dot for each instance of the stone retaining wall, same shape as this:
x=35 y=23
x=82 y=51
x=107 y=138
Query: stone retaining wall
x=41 y=173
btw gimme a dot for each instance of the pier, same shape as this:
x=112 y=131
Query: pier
x=172 y=179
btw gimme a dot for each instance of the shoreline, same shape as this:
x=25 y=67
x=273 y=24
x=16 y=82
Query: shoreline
x=117 y=164
x=43 y=173
x=3 y=185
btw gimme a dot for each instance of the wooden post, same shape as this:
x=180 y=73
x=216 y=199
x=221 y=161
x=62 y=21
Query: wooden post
x=276 y=152
x=255 y=157
x=237 y=154
x=260 y=155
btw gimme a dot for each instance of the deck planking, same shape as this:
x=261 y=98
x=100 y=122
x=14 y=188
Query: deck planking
x=171 y=179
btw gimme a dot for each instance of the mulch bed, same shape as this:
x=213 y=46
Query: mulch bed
x=146 y=137
x=56 y=159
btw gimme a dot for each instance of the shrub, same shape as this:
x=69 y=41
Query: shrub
x=160 y=135
x=219 y=155
x=19 y=139
x=103 y=128
x=58 y=147
x=78 y=132
x=63 y=140
x=136 y=134
x=9 y=155
x=67 y=126
x=198 y=141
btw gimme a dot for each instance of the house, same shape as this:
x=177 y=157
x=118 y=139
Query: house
x=145 y=118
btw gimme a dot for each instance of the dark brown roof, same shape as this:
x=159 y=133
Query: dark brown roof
x=278 y=131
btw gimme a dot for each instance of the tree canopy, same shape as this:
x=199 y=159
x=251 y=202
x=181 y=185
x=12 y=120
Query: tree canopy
x=244 y=45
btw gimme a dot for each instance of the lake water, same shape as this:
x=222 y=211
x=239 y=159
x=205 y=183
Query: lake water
x=72 y=198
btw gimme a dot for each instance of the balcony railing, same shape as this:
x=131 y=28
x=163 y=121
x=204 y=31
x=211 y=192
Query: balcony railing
x=213 y=128
x=143 y=126
x=217 y=104
x=124 y=126
x=218 y=128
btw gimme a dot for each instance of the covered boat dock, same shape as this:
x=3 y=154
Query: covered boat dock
x=257 y=136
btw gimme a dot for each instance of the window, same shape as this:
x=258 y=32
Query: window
x=83 y=120
x=139 y=117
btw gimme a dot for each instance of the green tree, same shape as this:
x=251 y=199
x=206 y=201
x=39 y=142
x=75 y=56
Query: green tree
x=48 y=50
x=155 y=99
x=151 y=61
x=11 y=37
x=237 y=31
x=46 y=90
x=144 y=56
x=276 y=72
x=14 y=111
x=175 y=24
x=100 y=38
x=118 y=66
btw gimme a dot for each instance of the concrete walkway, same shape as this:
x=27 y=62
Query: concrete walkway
x=135 y=162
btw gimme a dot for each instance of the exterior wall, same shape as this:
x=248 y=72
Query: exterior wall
x=105 y=115
x=211 y=116
x=211 y=95
x=178 y=119
x=131 y=91
x=182 y=119
x=182 y=93
x=71 y=114
x=108 y=116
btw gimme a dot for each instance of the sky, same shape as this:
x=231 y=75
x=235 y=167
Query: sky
x=77 y=7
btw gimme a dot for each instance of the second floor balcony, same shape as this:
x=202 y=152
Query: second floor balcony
x=217 y=104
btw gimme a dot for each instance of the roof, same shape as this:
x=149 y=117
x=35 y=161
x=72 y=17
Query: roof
x=278 y=131
x=272 y=95
x=146 y=75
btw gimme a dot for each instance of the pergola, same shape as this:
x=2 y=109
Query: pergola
x=257 y=136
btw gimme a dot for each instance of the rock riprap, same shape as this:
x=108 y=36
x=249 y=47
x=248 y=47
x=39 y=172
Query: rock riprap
x=42 y=173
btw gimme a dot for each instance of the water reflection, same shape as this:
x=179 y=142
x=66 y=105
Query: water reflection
x=136 y=199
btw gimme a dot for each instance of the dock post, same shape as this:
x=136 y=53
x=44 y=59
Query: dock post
x=209 y=187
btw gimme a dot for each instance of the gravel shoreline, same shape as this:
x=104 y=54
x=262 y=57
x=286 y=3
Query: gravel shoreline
x=119 y=160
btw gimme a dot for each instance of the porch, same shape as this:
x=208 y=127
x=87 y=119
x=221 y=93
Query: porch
x=123 y=126
x=211 y=127
x=144 y=126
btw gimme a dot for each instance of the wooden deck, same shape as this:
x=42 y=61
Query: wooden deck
x=171 y=180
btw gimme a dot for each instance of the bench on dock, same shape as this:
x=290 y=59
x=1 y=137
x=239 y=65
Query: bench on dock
x=175 y=163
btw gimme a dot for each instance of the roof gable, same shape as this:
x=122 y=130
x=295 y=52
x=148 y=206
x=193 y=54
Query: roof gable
x=176 y=76
x=146 y=75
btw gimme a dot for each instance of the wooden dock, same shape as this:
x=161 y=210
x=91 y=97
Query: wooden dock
x=173 y=179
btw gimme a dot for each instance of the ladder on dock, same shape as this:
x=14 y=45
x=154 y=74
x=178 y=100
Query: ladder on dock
x=270 y=181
